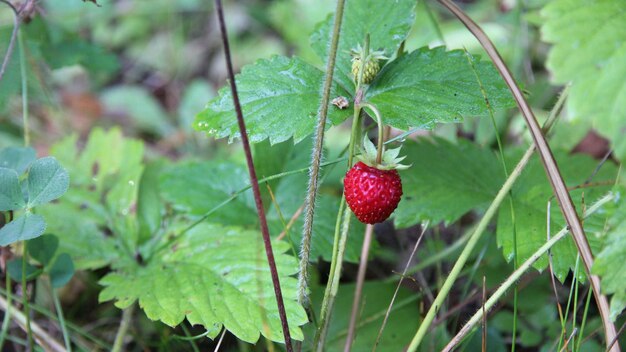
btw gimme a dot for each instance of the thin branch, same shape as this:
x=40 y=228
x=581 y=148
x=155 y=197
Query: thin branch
x=358 y=291
x=473 y=321
x=571 y=336
x=316 y=158
x=16 y=27
x=403 y=275
x=254 y=180
x=484 y=298
x=551 y=168
x=619 y=332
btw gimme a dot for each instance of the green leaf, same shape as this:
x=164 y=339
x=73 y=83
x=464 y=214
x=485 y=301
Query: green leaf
x=82 y=233
x=96 y=220
x=193 y=100
x=61 y=271
x=11 y=197
x=17 y=158
x=387 y=24
x=196 y=279
x=280 y=99
x=139 y=105
x=149 y=204
x=197 y=188
x=14 y=268
x=531 y=194
x=47 y=181
x=589 y=50
x=446 y=180
x=43 y=248
x=610 y=263
x=23 y=228
x=429 y=86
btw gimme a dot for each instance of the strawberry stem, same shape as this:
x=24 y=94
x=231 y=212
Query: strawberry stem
x=380 y=145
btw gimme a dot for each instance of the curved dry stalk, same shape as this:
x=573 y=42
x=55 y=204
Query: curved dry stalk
x=550 y=166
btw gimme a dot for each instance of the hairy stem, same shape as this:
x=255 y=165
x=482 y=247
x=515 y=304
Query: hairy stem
x=339 y=243
x=550 y=166
x=254 y=181
x=339 y=246
x=510 y=281
x=316 y=159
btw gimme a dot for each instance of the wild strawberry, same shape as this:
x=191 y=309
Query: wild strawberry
x=370 y=65
x=373 y=190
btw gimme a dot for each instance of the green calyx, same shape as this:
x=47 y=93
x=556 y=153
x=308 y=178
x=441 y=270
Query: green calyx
x=389 y=159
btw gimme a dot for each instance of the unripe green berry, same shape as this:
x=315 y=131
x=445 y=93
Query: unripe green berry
x=369 y=71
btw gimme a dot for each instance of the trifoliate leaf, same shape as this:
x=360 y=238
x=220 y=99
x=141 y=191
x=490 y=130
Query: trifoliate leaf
x=196 y=279
x=589 y=50
x=280 y=99
x=531 y=194
x=430 y=86
x=61 y=271
x=47 y=181
x=15 y=270
x=23 y=228
x=387 y=22
x=17 y=159
x=11 y=197
x=43 y=248
x=610 y=263
x=446 y=181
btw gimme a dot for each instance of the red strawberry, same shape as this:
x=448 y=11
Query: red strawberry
x=371 y=193
x=373 y=189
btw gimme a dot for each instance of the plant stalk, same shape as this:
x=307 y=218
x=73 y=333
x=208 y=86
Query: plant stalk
x=339 y=242
x=254 y=181
x=127 y=316
x=316 y=158
x=480 y=228
x=512 y=279
x=59 y=309
x=550 y=166
x=358 y=291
